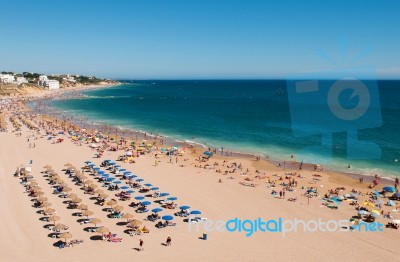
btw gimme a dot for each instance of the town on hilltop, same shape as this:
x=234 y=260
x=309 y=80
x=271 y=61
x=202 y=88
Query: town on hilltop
x=12 y=84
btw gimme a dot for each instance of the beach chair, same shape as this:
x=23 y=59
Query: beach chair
x=193 y=221
x=116 y=240
x=145 y=231
x=171 y=224
x=93 y=229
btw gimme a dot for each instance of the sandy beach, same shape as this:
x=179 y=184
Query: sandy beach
x=221 y=187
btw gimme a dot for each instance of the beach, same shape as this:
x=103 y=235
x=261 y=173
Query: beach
x=221 y=187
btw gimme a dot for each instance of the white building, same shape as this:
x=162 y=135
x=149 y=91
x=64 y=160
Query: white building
x=69 y=78
x=43 y=80
x=21 y=80
x=53 y=84
x=7 y=79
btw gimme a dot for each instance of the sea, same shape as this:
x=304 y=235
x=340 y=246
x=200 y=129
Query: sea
x=326 y=123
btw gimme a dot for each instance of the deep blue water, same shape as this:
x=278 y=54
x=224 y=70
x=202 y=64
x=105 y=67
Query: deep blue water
x=257 y=116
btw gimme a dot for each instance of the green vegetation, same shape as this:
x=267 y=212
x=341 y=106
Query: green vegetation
x=88 y=80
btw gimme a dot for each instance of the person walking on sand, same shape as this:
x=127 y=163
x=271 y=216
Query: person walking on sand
x=141 y=245
x=168 y=242
x=280 y=194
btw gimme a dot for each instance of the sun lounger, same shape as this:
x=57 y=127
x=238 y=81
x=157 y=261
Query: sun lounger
x=93 y=229
x=193 y=221
x=115 y=240
x=144 y=230
x=137 y=232
x=332 y=207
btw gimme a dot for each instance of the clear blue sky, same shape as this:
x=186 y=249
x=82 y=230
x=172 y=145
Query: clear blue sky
x=199 y=39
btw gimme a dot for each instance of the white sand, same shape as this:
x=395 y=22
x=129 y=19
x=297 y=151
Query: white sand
x=24 y=237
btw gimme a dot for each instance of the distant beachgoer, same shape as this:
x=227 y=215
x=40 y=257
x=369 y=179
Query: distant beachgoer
x=220 y=181
x=141 y=245
x=280 y=194
x=168 y=242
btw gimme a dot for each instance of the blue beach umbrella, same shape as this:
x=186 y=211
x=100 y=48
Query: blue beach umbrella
x=130 y=191
x=148 y=184
x=139 y=197
x=132 y=176
x=111 y=163
x=96 y=169
x=146 y=203
x=104 y=175
x=154 y=188
x=139 y=180
x=195 y=212
x=127 y=173
x=167 y=217
x=208 y=153
x=101 y=172
x=124 y=187
x=389 y=189
x=87 y=162
x=164 y=194
x=110 y=179
x=172 y=198
x=117 y=166
x=122 y=170
x=117 y=182
x=376 y=193
x=107 y=161
x=156 y=210
x=91 y=165
x=184 y=207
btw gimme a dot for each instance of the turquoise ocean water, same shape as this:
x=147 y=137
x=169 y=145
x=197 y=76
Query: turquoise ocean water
x=251 y=116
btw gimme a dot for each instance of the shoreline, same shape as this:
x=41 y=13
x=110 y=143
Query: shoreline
x=170 y=141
